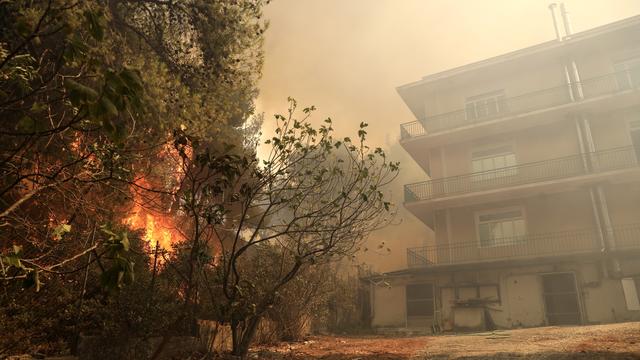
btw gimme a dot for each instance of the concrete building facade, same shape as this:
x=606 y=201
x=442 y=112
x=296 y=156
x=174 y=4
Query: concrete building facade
x=532 y=189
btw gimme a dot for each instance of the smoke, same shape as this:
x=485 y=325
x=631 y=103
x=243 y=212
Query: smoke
x=347 y=58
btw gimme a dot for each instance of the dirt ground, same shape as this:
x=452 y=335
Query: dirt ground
x=614 y=341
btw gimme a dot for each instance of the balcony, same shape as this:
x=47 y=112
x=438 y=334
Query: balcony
x=537 y=172
x=590 y=89
x=566 y=243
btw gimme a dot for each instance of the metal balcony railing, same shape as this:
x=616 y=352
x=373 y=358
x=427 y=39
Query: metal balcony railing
x=626 y=237
x=538 y=100
x=546 y=170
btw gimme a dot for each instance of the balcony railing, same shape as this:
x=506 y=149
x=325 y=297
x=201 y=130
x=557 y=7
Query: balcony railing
x=546 y=170
x=626 y=237
x=538 y=100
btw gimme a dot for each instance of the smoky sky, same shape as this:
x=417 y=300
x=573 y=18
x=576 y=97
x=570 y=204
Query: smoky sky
x=346 y=57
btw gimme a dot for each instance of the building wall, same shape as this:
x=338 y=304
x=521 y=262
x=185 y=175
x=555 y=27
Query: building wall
x=623 y=201
x=547 y=210
x=389 y=306
x=532 y=75
x=559 y=139
x=550 y=213
x=596 y=58
x=611 y=130
x=521 y=301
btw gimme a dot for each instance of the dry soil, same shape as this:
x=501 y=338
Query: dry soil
x=614 y=341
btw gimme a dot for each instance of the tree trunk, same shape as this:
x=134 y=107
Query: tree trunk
x=241 y=348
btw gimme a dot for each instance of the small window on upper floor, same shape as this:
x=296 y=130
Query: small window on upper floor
x=627 y=73
x=500 y=227
x=485 y=105
x=485 y=161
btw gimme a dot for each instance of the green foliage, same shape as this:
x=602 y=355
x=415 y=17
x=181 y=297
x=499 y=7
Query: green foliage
x=11 y=263
x=91 y=96
x=311 y=201
x=121 y=272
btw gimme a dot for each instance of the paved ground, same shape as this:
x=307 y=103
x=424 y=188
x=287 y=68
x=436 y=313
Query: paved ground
x=615 y=341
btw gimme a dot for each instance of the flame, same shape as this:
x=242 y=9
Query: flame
x=159 y=229
x=149 y=212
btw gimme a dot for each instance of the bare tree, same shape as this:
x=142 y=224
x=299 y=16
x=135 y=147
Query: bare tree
x=256 y=223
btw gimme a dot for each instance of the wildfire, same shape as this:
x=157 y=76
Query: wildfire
x=159 y=229
x=149 y=209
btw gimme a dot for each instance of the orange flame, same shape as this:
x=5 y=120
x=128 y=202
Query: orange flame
x=160 y=226
x=159 y=229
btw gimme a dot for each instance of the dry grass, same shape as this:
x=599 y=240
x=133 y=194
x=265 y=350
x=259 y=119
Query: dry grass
x=614 y=341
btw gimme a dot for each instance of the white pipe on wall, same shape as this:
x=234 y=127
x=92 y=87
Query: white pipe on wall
x=554 y=16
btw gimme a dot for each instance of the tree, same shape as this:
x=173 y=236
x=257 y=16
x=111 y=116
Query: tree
x=311 y=200
x=90 y=95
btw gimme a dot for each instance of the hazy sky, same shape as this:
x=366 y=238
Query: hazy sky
x=346 y=57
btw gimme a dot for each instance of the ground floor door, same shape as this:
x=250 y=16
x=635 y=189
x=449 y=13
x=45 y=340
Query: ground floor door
x=420 y=305
x=635 y=137
x=561 y=299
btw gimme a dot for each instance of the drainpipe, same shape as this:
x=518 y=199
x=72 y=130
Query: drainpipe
x=567 y=78
x=586 y=163
x=599 y=201
x=598 y=197
x=583 y=152
x=606 y=219
x=596 y=215
x=449 y=237
x=576 y=79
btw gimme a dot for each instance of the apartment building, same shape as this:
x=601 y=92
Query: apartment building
x=532 y=188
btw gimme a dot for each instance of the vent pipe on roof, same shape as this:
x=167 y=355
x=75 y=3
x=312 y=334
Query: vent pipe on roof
x=554 y=16
x=565 y=20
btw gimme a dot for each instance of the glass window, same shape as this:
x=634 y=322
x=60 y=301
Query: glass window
x=485 y=105
x=492 y=159
x=499 y=228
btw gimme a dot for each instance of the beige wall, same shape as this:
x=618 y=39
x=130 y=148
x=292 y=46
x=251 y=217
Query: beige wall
x=521 y=297
x=611 y=130
x=623 y=202
x=530 y=74
x=534 y=144
x=533 y=74
x=597 y=57
x=389 y=307
x=601 y=297
x=543 y=214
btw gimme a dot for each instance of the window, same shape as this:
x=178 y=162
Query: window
x=471 y=292
x=492 y=159
x=502 y=227
x=419 y=300
x=627 y=73
x=485 y=105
